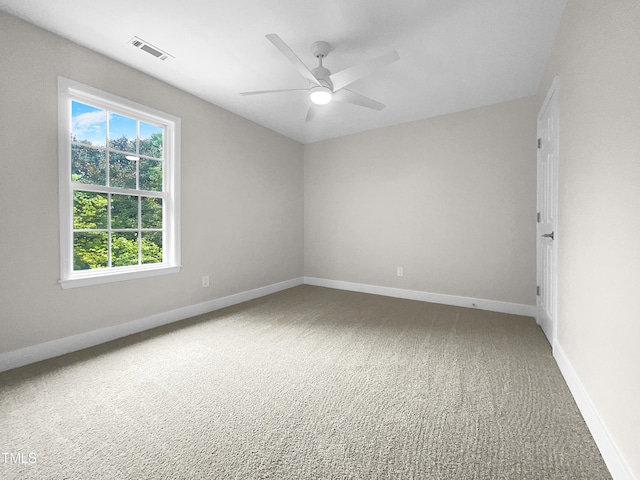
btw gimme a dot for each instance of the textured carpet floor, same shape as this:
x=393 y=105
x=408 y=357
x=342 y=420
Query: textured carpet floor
x=303 y=384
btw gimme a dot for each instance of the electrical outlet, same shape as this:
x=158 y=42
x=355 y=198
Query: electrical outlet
x=205 y=281
x=400 y=272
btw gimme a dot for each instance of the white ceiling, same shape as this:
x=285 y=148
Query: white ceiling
x=454 y=54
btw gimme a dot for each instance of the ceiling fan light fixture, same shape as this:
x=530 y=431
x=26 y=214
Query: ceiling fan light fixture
x=320 y=95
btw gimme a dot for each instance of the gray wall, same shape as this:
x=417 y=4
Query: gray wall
x=596 y=56
x=450 y=199
x=242 y=201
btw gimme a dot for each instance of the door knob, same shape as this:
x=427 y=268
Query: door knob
x=548 y=235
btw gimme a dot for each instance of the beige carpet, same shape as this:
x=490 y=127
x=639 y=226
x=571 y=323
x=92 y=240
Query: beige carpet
x=309 y=383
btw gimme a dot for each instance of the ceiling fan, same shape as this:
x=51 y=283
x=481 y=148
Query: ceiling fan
x=325 y=86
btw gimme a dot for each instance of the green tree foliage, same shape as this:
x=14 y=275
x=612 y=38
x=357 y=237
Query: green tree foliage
x=88 y=165
x=150 y=175
x=90 y=250
x=152 y=146
x=123 y=144
x=91 y=209
x=124 y=249
x=152 y=247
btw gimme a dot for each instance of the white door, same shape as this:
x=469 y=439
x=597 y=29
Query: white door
x=546 y=238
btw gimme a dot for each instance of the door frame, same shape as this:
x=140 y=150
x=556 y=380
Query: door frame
x=552 y=96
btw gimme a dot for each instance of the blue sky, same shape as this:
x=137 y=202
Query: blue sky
x=90 y=123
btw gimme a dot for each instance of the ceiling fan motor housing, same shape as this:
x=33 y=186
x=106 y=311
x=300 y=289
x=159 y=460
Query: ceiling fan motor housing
x=322 y=74
x=320 y=49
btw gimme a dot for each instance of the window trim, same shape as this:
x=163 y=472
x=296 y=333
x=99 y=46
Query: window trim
x=71 y=90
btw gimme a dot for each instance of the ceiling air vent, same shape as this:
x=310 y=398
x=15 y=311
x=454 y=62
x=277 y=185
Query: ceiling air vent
x=147 y=47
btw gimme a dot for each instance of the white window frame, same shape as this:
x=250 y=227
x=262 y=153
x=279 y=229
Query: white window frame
x=69 y=90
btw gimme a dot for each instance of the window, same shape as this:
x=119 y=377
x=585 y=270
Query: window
x=119 y=186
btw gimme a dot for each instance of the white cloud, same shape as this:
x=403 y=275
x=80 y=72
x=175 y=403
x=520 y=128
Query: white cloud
x=90 y=126
x=89 y=121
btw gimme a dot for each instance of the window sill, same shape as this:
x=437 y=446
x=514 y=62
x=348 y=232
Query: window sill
x=84 y=279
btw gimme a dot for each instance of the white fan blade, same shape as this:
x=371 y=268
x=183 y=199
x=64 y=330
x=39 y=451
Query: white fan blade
x=349 y=75
x=311 y=113
x=260 y=92
x=347 y=96
x=293 y=58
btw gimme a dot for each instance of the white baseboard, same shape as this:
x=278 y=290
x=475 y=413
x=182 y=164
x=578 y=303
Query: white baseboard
x=54 y=348
x=610 y=453
x=469 y=302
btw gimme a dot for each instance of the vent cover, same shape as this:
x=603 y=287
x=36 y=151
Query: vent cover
x=147 y=47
